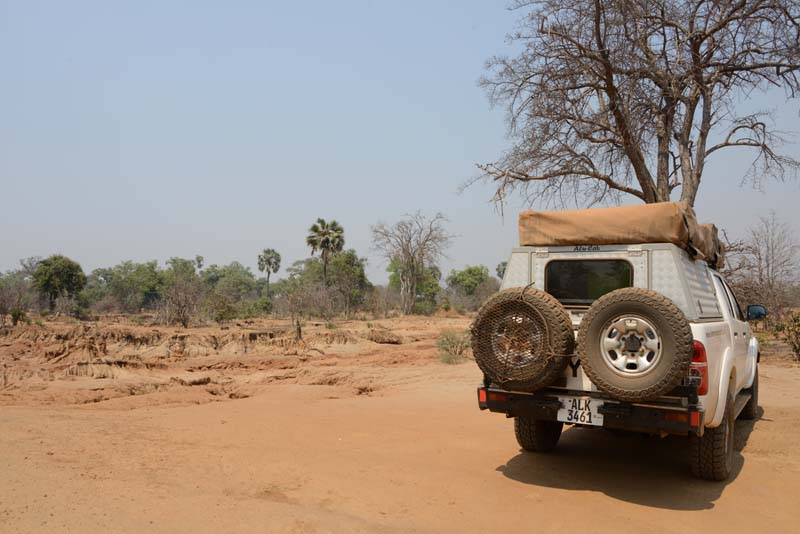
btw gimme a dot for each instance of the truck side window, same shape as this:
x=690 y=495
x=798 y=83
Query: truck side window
x=720 y=285
x=581 y=282
x=737 y=310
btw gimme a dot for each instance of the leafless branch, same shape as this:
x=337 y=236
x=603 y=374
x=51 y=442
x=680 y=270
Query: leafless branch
x=632 y=96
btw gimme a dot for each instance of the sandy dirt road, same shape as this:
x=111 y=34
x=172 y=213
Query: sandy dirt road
x=416 y=458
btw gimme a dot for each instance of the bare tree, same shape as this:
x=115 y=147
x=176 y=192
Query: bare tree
x=414 y=243
x=181 y=300
x=763 y=267
x=612 y=97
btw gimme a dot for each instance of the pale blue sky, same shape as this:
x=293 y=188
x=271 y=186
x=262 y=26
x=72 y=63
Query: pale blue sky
x=149 y=129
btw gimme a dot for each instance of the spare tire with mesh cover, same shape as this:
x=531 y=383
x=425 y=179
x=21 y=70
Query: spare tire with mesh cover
x=635 y=344
x=521 y=339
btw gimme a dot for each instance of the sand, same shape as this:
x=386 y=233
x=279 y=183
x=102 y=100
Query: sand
x=215 y=432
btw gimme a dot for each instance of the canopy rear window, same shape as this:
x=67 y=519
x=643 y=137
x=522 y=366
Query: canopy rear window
x=581 y=282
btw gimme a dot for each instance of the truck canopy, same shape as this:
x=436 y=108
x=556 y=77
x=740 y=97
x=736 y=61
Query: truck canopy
x=663 y=222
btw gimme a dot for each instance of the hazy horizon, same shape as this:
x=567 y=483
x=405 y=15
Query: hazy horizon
x=142 y=131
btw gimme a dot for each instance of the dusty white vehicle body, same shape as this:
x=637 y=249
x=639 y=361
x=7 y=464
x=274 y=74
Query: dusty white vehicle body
x=700 y=292
x=618 y=318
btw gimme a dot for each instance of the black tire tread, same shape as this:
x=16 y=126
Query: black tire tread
x=708 y=454
x=562 y=337
x=536 y=435
x=677 y=322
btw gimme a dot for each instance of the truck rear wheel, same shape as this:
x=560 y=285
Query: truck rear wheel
x=536 y=435
x=635 y=344
x=712 y=454
x=521 y=339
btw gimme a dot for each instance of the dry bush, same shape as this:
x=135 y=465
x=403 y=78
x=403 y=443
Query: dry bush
x=382 y=300
x=383 y=336
x=789 y=331
x=762 y=268
x=309 y=300
x=181 y=301
x=456 y=298
x=454 y=345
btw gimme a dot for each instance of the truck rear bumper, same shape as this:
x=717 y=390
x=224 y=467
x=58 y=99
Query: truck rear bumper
x=671 y=418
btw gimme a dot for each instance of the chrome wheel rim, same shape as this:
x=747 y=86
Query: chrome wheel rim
x=630 y=345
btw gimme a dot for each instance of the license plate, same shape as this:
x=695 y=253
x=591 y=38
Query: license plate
x=580 y=410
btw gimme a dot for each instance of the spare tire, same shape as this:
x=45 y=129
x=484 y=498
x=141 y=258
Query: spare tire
x=635 y=344
x=522 y=338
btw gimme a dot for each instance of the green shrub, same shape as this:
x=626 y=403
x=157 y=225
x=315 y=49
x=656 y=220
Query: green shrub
x=424 y=307
x=224 y=314
x=220 y=308
x=18 y=316
x=453 y=346
x=80 y=307
x=254 y=308
x=262 y=305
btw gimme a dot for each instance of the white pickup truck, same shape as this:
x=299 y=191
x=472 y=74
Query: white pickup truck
x=639 y=337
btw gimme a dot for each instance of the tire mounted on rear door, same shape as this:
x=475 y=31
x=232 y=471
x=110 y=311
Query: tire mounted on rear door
x=635 y=344
x=522 y=339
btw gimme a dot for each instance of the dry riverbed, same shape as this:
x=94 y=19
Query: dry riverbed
x=116 y=427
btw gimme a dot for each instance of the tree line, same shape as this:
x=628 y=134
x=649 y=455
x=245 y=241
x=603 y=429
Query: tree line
x=762 y=267
x=331 y=282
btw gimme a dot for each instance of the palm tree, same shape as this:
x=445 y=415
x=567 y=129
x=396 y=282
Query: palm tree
x=328 y=238
x=269 y=261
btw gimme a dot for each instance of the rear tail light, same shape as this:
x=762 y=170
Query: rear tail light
x=485 y=396
x=691 y=418
x=497 y=397
x=699 y=367
x=677 y=417
x=694 y=418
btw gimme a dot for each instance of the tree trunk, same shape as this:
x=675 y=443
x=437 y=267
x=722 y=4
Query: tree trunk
x=665 y=126
x=408 y=290
x=632 y=148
